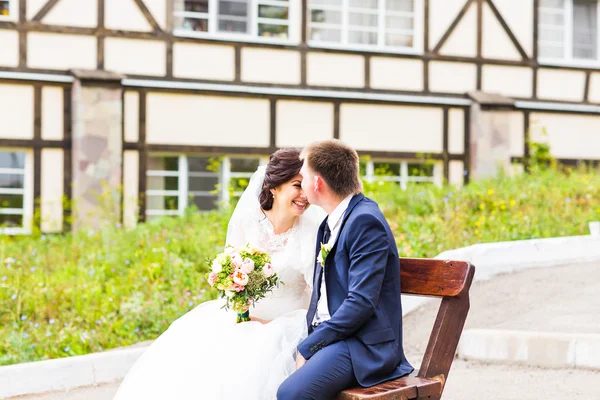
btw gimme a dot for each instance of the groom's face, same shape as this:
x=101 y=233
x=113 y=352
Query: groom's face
x=309 y=183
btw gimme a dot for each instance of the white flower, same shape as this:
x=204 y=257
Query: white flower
x=323 y=253
x=229 y=293
x=268 y=270
x=216 y=266
x=247 y=266
x=240 y=278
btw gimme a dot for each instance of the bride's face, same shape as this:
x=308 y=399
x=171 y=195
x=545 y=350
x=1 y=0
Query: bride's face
x=289 y=196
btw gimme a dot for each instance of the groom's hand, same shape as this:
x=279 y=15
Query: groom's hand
x=300 y=361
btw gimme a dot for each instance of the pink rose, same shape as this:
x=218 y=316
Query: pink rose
x=212 y=279
x=237 y=288
x=268 y=270
x=236 y=260
x=240 y=278
x=247 y=266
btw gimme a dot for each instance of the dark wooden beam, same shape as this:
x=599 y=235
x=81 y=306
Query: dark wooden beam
x=507 y=29
x=336 y=120
x=452 y=26
x=22 y=34
x=467 y=147
x=100 y=37
x=238 y=63
x=44 y=10
x=367 y=61
x=479 y=42
x=67 y=159
x=273 y=124
x=170 y=27
x=445 y=141
x=37 y=152
x=586 y=90
x=426 y=45
x=526 y=139
x=143 y=156
x=148 y=15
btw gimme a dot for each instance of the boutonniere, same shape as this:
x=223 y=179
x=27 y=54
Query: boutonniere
x=323 y=253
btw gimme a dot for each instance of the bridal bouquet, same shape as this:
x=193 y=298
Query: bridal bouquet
x=242 y=277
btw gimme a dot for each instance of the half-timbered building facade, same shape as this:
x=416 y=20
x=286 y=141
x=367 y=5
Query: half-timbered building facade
x=147 y=94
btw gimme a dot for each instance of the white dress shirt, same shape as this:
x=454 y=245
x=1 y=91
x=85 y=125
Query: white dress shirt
x=335 y=222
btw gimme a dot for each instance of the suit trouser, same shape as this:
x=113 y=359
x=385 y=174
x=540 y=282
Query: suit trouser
x=323 y=376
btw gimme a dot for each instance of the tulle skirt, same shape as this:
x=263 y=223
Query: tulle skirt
x=206 y=355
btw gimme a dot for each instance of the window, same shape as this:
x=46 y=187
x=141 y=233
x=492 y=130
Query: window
x=401 y=172
x=178 y=182
x=15 y=192
x=7 y=9
x=235 y=19
x=375 y=24
x=568 y=30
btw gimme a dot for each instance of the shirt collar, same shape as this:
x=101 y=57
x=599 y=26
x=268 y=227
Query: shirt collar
x=339 y=211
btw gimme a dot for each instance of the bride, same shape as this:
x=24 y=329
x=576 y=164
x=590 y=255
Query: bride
x=205 y=354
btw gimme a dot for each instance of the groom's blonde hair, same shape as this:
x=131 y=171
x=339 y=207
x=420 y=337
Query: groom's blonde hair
x=337 y=163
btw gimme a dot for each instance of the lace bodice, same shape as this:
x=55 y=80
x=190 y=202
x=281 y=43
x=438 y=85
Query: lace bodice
x=292 y=255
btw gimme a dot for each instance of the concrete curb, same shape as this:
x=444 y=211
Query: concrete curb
x=536 y=349
x=67 y=373
x=491 y=259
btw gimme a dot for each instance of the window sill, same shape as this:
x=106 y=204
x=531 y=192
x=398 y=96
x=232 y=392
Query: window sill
x=15 y=231
x=367 y=49
x=570 y=63
x=233 y=38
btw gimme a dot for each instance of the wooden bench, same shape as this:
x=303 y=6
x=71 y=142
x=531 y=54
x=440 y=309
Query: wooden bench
x=451 y=281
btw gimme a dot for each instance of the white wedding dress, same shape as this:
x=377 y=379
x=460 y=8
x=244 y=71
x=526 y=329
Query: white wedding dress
x=205 y=354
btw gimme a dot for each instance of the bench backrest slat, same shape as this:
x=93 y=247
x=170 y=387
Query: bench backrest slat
x=429 y=277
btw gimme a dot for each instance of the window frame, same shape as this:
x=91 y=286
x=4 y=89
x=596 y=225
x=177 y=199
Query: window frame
x=404 y=178
x=27 y=192
x=417 y=32
x=12 y=11
x=568 y=59
x=225 y=175
x=294 y=23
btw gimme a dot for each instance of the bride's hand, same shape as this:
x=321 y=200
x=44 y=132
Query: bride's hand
x=262 y=321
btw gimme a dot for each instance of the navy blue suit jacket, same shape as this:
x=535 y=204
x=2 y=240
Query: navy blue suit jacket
x=362 y=274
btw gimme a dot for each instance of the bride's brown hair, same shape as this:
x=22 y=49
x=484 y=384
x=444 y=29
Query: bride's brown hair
x=283 y=165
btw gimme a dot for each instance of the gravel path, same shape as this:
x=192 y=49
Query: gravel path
x=561 y=299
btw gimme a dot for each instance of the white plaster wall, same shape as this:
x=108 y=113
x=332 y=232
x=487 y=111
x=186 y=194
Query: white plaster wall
x=302 y=122
x=569 y=135
x=81 y=13
x=52 y=190
x=452 y=77
x=207 y=120
x=325 y=69
x=60 y=51
x=9 y=48
x=135 y=56
x=131 y=115
x=392 y=128
x=396 y=74
x=16 y=103
x=52 y=113
x=201 y=61
x=508 y=81
x=270 y=66
x=456 y=131
x=556 y=84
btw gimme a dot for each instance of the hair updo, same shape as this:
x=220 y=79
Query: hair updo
x=283 y=165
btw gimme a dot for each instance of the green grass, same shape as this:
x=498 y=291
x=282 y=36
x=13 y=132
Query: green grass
x=92 y=291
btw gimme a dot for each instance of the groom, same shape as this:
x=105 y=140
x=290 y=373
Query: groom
x=355 y=316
